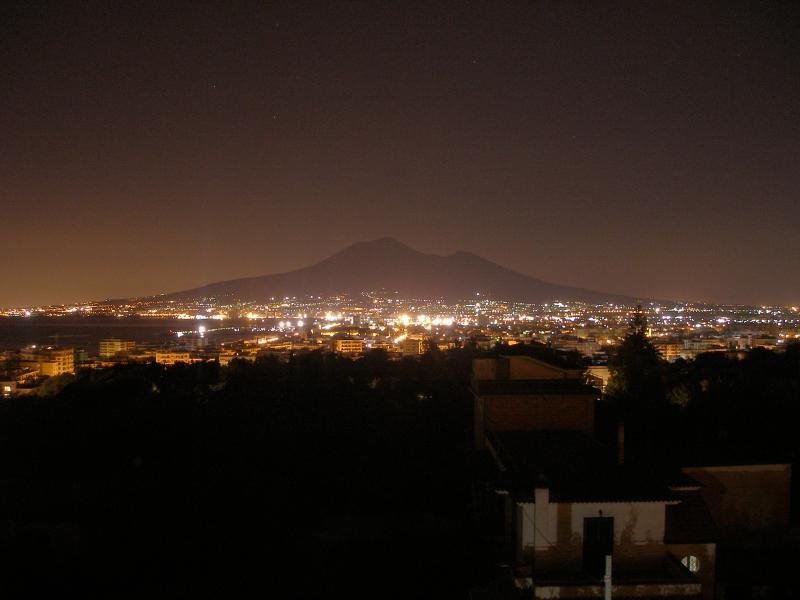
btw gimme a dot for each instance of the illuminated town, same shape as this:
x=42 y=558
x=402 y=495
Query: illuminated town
x=208 y=329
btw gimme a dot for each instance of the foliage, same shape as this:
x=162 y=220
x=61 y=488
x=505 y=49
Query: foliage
x=732 y=409
x=185 y=478
x=54 y=385
x=570 y=359
x=636 y=370
x=320 y=471
x=636 y=390
x=636 y=374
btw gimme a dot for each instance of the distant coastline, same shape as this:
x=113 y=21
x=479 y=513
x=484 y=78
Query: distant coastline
x=87 y=331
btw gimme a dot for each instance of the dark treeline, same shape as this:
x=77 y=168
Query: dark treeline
x=321 y=474
x=718 y=408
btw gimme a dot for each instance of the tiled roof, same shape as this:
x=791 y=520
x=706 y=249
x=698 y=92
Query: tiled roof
x=534 y=387
x=574 y=467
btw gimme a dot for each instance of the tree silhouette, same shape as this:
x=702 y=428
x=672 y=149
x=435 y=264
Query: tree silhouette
x=636 y=390
x=636 y=369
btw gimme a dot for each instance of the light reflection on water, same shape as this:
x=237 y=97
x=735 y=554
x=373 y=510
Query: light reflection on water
x=16 y=333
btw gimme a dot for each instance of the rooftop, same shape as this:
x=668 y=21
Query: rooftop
x=574 y=467
x=690 y=521
x=533 y=387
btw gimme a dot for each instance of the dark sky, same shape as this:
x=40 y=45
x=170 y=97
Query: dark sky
x=644 y=148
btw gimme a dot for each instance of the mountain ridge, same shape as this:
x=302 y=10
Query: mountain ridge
x=390 y=265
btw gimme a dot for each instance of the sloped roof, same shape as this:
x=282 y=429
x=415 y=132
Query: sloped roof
x=533 y=387
x=574 y=467
x=690 y=521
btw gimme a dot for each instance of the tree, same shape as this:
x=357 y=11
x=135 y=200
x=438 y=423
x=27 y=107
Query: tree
x=52 y=386
x=636 y=389
x=636 y=369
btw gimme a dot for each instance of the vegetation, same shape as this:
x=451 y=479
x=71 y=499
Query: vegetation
x=716 y=408
x=321 y=473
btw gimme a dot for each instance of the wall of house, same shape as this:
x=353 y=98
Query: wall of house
x=537 y=413
x=746 y=500
x=552 y=535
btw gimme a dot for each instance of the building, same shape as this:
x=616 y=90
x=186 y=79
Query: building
x=598 y=376
x=586 y=346
x=226 y=356
x=348 y=346
x=559 y=501
x=111 y=347
x=565 y=505
x=7 y=388
x=751 y=504
x=57 y=362
x=25 y=374
x=521 y=368
x=483 y=343
x=48 y=361
x=669 y=350
x=81 y=356
x=194 y=342
x=172 y=357
x=412 y=346
x=522 y=393
x=139 y=355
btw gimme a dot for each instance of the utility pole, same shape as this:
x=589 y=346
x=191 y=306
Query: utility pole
x=607 y=579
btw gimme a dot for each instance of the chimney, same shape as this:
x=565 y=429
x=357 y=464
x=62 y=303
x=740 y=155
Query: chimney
x=620 y=443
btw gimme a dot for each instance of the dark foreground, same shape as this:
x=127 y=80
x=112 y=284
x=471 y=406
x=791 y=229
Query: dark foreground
x=321 y=476
x=318 y=477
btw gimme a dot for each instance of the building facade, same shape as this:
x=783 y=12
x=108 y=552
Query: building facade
x=50 y=362
x=412 y=346
x=348 y=346
x=172 y=357
x=111 y=347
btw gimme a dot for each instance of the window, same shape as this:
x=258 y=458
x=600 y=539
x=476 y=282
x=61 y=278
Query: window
x=691 y=562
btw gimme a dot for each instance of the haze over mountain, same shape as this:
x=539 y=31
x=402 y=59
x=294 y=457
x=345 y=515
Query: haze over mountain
x=389 y=265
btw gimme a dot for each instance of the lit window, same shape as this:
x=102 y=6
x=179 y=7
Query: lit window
x=691 y=562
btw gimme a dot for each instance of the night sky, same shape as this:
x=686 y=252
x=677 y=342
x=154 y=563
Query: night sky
x=651 y=149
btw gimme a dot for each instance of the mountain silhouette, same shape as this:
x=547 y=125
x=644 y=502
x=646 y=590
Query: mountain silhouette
x=387 y=265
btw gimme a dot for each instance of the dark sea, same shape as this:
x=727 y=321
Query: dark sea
x=17 y=332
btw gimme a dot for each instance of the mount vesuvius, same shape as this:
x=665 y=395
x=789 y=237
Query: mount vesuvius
x=389 y=265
